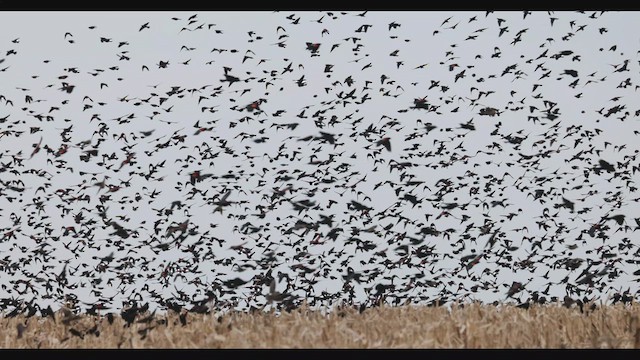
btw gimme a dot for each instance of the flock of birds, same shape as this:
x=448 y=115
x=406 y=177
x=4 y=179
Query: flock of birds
x=318 y=171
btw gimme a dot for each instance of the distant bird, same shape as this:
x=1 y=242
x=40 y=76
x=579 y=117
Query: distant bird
x=393 y=25
x=386 y=142
x=619 y=219
x=313 y=47
x=274 y=295
x=606 y=166
x=67 y=87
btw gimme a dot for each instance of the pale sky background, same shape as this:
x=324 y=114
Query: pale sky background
x=38 y=57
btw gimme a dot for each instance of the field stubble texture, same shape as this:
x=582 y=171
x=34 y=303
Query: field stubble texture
x=469 y=326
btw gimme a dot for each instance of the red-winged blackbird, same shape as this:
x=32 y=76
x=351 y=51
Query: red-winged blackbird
x=618 y=218
x=76 y=333
x=515 y=288
x=197 y=176
x=48 y=312
x=420 y=103
x=129 y=315
x=489 y=111
x=393 y=25
x=173 y=306
x=313 y=47
x=606 y=166
x=230 y=79
x=20 y=328
x=328 y=137
x=67 y=87
x=385 y=141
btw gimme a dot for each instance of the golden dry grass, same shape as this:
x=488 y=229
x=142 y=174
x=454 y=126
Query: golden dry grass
x=471 y=326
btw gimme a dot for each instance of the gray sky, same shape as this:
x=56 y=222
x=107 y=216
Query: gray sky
x=521 y=73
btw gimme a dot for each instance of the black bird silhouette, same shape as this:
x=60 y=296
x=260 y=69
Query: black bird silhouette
x=386 y=142
x=606 y=166
x=393 y=25
x=619 y=219
x=67 y=87
x=313 y=47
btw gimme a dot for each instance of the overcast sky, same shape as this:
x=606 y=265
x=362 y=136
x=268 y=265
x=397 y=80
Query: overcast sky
x=143 y=79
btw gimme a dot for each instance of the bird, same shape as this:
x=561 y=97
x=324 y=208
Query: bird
x=606 y=166
x=275 y=296
x=313 y=47
x=385 y=141
x=619 y=219
x=67 y=87
x=394 y=25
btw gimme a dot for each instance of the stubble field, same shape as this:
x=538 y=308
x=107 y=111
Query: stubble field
x=470 y=326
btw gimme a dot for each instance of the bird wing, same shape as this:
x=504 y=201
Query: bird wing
x=225 y=196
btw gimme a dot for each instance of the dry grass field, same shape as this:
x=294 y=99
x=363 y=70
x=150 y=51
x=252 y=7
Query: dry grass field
x=471 y=326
